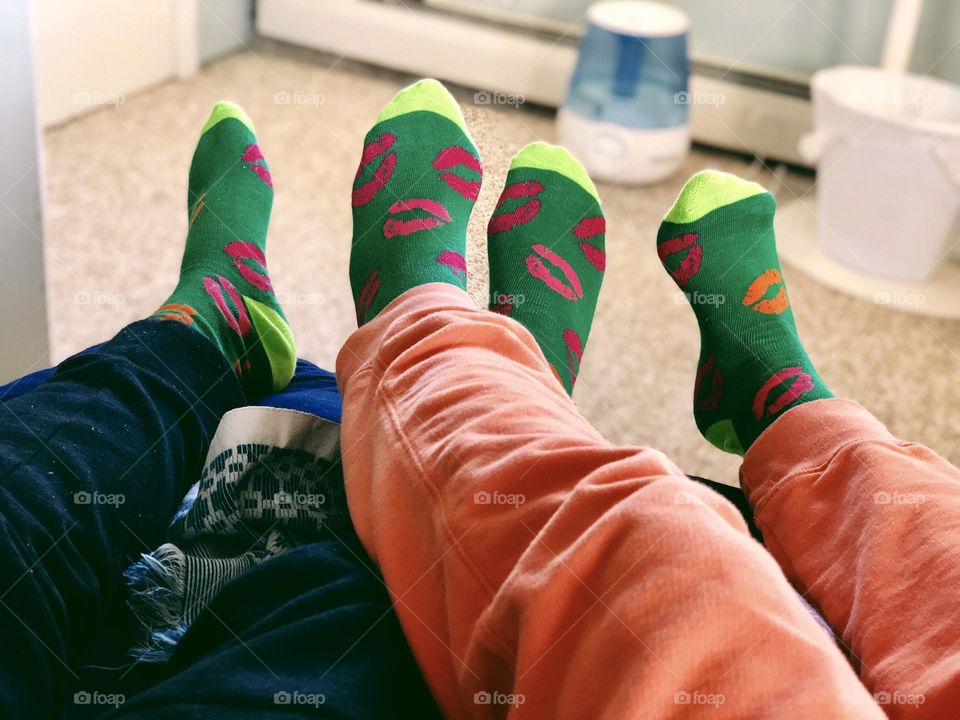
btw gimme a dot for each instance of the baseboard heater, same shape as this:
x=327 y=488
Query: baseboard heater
x=741 y=110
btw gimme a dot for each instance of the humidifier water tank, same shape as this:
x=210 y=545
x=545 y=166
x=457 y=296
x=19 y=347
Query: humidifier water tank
x=626 y=114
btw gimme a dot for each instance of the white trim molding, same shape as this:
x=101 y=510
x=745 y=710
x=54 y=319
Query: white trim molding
x=23 y=319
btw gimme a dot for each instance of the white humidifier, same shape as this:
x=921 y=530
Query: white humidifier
x=626 y=116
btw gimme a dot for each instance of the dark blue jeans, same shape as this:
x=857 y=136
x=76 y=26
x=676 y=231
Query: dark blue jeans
x=95 y=458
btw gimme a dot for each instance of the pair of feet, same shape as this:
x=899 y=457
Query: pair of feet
x=414 y=191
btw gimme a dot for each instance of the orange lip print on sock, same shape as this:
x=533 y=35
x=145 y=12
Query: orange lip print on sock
x=710 y=401
x=393 y=227
x=179 y=312
x=540 y=270
x=690 y=264
x=801 y=385
x=197 y=209
x=381 y=176
x=759 y=287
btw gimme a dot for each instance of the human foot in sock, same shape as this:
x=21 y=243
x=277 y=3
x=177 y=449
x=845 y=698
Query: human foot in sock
x=717 y=244
x=546 y=252
x=418 y=179
x=224 y=290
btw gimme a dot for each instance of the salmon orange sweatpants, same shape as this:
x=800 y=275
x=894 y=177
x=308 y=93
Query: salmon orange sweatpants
x=540 y=571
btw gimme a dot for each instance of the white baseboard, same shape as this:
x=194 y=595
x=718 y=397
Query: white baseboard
x=479 y=55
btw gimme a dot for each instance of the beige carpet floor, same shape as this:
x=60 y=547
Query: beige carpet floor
x=116 y=218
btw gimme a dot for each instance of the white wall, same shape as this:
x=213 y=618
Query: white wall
x=63 y=58
x=94 y=53
x=225 y=26
x=23 y=318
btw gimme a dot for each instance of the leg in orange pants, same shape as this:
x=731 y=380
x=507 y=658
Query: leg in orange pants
x=540 y=570
x=868 y=527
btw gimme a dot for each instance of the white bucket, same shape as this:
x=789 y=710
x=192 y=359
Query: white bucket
x=887 y=149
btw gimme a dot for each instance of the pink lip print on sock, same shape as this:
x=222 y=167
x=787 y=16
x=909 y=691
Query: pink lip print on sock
x=802 y=384
x=384 y=171
x=455 y=261
x=456 y=157
x=241 y=251
x=239 y=324
x=538 y=269
x=367 y=293
x=574 y=352
x=690 y=265
x=525 y=213
x=256 y=162
x=588 y=228
x=394 y=227
x=712 y=399
x=759 y=287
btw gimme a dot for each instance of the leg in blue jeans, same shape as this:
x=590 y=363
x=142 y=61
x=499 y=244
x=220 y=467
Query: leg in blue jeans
x=93 y=463
x=315 y=621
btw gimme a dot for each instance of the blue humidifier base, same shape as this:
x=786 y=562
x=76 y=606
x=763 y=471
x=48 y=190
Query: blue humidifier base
x=618 y=154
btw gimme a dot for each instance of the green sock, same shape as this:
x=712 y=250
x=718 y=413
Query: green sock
x=546 y=252
x=418 y=179
x=717 y=243
x=224 y=291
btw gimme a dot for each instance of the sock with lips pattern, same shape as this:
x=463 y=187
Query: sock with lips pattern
x=546 y=253
x=418 y=179
x=224 y=291
x=717 y=243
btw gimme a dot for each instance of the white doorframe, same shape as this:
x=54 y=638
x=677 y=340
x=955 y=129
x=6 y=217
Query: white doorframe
x=24 y=341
